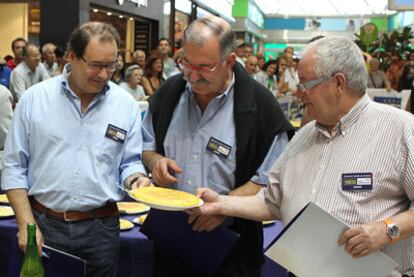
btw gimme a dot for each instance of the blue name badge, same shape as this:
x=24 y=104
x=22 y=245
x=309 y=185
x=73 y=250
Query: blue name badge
x=356 y=181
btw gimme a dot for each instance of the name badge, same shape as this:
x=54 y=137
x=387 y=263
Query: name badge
x=357 y=181
x=218 y=148
x=115 y=133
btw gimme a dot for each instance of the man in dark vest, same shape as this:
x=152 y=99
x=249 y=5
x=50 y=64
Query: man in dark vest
x=214 y=126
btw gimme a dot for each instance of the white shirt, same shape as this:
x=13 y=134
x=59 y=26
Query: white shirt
x=22 y=78
x=372 y=138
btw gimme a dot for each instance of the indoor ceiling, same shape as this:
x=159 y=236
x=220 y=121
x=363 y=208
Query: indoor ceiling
x=323 y=8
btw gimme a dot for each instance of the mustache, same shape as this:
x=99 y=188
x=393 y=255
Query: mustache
x=200 y=81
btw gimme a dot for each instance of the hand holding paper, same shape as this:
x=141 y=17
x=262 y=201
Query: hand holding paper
x=364 y=239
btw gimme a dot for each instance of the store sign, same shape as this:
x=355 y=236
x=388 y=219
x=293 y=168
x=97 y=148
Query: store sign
x=139 y=3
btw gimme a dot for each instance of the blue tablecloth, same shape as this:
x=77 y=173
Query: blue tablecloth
x=136 y=250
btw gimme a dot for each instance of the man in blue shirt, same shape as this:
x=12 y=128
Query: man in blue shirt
x=69 y=146
x=217 y=128
x=4 y=74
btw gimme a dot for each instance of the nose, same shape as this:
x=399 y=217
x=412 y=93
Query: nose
x=103 y=73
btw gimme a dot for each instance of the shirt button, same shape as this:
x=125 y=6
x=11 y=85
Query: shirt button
x=189 y=182
x=195 y=157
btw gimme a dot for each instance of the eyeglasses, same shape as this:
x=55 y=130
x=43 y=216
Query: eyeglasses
x=311 y=84
x=200 y=68
x=94 y=66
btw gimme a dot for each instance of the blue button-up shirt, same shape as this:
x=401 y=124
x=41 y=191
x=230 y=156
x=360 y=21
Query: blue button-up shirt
x=188 y=135
x=62 y=155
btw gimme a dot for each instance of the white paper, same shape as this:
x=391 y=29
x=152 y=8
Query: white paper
x=308 y=247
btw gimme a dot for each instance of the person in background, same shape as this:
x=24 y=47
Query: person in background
x=251 y=66
x=214 y=103
x=29 y=72
x=118 y=77
x=407 y=73
x=49 y=58
x=17 y=45
x=352 y=138
x=62 y=174
x=267 y=76
x=61 y=60
x=133 y=75
x=377 y=77
x=139 y=58
x=260 y=61
x=177 y=56
x=394 y=71
x=248 y=50
x=6 y=113
x=240 y=51
x=153 y=73
x=169 y=65
x=5 y=73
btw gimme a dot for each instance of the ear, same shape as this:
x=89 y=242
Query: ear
x=340 y=81
x=231 y=60
x=71 y=56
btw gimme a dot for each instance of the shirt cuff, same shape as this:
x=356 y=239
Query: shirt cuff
x=260 y=180
x=139 y=168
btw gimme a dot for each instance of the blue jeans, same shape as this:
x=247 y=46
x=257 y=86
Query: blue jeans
x=95 y=240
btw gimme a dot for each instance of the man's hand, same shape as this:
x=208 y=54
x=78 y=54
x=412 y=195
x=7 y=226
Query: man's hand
x=141 y=182
x=211 y=203
x=22 y=239
x=164 y=170
x=364 y=239
x=205 y=222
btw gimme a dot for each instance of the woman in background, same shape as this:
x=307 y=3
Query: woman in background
x=133 y=76
x=152 y=78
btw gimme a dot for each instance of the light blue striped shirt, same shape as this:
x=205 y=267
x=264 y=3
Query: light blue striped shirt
x=62 y=156
x=188 y=136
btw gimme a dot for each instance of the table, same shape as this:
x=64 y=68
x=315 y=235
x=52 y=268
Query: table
x=136 y=250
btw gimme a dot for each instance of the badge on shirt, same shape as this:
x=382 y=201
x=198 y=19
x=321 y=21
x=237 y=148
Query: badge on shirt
x=356 y=181
x=115 y=133
x=218 y=147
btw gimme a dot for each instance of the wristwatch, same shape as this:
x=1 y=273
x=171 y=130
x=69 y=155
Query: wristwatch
x=393 y=232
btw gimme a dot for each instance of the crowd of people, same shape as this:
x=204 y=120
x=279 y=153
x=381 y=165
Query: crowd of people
x=75 y=134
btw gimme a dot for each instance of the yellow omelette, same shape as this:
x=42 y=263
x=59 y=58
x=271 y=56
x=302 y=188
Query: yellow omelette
x=125 y=224
x=165 y=197
x=6 y=211
x=3 y=198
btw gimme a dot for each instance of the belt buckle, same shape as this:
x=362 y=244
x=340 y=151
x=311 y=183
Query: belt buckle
x=65 y=217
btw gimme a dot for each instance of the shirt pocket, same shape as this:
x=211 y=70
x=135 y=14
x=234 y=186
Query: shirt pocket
x=220 y=173
x=109 y=151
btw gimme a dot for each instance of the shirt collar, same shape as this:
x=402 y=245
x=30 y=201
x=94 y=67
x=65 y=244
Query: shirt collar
x=349 y=119
x=68 y=90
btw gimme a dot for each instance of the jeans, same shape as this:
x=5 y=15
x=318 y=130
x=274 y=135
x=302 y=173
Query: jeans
x=95 y=240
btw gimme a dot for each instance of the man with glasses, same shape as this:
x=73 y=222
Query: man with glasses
x=352 y=140
x=213 y=126
x=68 y=148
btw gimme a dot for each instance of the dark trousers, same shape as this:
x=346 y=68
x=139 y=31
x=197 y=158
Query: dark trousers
x=167 y=265
x=95 y=240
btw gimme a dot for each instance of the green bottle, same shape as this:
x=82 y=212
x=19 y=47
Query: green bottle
x=32 y=264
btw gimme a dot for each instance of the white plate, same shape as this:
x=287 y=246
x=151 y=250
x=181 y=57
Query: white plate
x=132 y=207
x=168 y=208
x=6 y=211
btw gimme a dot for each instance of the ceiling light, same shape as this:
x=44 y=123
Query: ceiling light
x=108 y=13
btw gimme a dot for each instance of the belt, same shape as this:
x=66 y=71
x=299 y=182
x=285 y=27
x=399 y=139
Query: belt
x=109 y=210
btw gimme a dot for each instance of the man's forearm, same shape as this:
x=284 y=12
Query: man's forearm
x=248 y=207
x=249 y=188
x=20 y=202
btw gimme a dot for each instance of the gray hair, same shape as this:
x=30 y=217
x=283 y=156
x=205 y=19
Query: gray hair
x=131 y=68
x=339 y=54
x=48 y=46
x=214 y=27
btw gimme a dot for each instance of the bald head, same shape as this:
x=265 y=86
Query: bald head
x=251 y=64
x=211 y=27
